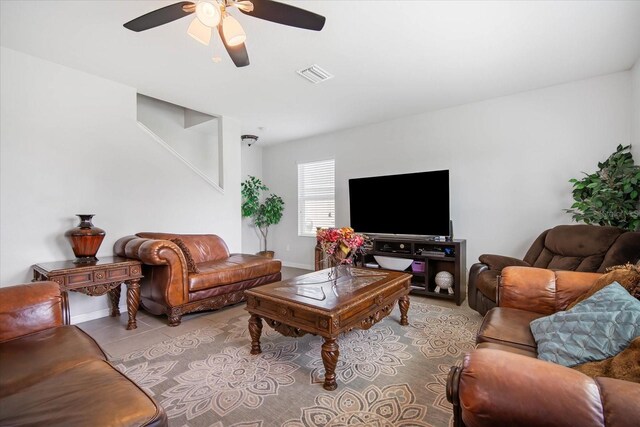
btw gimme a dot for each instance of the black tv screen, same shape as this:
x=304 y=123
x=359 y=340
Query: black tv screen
x=412 y=203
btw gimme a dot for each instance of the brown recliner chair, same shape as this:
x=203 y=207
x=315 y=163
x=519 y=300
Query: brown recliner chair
x=184 y=273
x=588 y=248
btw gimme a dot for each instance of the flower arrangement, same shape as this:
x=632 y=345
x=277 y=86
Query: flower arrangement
x=341 y=245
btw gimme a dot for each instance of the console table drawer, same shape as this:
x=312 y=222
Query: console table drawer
x=79 y=279
x=117 y=273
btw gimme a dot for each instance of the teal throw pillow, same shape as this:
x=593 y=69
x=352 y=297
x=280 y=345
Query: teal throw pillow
x=599 y=327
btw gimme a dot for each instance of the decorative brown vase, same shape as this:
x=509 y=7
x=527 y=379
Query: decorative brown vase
x=267 y=254
x=85 y=239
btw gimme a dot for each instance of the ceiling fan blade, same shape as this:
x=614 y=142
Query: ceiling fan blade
x=286 y=14
x=238 y=53
x=160 y=16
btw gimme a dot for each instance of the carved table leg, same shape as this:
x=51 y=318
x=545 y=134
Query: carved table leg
x=255 y=330
x=133 y=302
x=404 y=309
x=330 y=353
x=114 y=297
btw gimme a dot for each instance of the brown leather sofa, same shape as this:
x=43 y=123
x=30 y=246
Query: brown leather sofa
x=502 y=383
x=52 y=374
x=184 y=273
x=581 y=247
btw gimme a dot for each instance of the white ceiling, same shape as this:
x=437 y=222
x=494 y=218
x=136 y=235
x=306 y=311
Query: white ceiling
x=390 y=58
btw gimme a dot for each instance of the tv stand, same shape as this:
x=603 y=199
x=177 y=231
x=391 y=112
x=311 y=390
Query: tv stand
x=437 y=256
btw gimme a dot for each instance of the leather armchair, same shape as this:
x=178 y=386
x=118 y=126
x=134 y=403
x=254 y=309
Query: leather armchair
x=498 y=388
x=199 y=275
x=54 y=374
x=589 y=248
x=502 y=383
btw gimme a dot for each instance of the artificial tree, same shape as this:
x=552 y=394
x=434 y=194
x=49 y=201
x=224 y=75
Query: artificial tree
x=611 y=195
x=264 y=213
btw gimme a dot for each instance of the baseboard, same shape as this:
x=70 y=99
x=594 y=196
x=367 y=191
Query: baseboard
x=85 y=317
x=296 y=265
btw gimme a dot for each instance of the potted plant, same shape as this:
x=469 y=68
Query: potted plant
x=263 y=212
x=611 y=195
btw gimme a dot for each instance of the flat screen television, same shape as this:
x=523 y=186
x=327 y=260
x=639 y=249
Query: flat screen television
x=407 y=204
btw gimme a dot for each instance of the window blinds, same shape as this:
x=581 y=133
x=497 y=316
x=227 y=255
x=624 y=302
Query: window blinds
x=316 y=196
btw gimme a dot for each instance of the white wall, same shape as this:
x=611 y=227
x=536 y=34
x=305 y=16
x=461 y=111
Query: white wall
x=251 y=165
x=635 y=111
x=197 y=143
x=509 y=159
x=70 y=144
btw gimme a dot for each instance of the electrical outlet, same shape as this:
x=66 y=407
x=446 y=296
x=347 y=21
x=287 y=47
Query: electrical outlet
x=288 y=248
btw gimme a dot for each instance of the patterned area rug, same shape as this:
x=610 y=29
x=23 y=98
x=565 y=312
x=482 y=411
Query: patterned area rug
x=389 y=375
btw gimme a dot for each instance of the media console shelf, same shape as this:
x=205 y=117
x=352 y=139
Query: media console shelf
x=437 y=256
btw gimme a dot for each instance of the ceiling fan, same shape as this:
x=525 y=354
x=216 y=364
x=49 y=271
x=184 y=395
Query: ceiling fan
x=212 y=14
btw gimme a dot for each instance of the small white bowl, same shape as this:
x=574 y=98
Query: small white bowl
x=390 y=263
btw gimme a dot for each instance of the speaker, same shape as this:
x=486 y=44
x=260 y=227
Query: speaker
x=450 y=237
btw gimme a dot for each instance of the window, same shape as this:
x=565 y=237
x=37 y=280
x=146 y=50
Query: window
x=316 y=196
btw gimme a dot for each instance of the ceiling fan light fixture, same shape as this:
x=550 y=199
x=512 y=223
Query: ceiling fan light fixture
x=208 y=12
x=232 y=31
x=214 y=14
x=200 y=32
x=244 y=5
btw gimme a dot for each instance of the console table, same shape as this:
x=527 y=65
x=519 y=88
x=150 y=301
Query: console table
x=100 y=277
x=436 y=256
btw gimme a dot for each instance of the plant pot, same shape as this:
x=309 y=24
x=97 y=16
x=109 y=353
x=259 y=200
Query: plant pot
x=85 y=239
x=266 y=254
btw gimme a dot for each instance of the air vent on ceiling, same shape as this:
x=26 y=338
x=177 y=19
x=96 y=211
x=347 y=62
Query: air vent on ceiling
x=315 y=74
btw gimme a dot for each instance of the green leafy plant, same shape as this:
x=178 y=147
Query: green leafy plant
x=611 y=195
x=264 y=213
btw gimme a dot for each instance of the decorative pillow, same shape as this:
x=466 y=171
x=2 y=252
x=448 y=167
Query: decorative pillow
x=626 y=275
x=191 y=264
x=599 y=327
x=623 y=366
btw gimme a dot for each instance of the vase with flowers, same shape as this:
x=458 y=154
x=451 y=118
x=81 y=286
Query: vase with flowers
x=340 y=247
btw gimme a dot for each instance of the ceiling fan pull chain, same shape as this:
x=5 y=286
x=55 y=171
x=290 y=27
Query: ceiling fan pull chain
x=215 y=58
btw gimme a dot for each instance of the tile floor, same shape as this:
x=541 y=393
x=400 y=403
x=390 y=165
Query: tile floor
x=115 y=340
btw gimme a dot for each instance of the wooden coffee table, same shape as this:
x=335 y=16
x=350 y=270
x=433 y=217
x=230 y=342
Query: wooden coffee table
x=316 y=305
